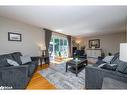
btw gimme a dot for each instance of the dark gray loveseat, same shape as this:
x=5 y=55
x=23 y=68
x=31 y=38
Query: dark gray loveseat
x=16 y=77
x=95 y=75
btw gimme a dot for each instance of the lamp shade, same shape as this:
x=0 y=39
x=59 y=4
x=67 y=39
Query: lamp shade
x=42 y=47
x=123 y=52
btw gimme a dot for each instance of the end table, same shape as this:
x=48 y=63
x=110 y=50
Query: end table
x=45 y=59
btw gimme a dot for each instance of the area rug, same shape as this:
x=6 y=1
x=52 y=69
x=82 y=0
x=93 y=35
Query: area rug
x=57 y=76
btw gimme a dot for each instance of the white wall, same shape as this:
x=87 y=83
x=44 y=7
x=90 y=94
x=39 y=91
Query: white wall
x=126 y=33
x=109 y=42
x=126 y=37
x=31 y=37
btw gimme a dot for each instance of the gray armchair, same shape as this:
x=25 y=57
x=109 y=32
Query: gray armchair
x=80 y=53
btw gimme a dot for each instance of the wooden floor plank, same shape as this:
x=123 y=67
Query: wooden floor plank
x=38 y=82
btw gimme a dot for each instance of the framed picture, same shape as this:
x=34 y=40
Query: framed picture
x=94 y=43
x=14 y=37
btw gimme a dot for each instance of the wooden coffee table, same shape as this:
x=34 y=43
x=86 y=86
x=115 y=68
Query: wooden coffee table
x=76 y=66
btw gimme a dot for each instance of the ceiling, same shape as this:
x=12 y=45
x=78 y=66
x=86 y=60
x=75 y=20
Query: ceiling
x=77 y=21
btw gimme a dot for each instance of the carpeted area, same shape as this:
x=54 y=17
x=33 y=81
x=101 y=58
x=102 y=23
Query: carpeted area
x=57 y=76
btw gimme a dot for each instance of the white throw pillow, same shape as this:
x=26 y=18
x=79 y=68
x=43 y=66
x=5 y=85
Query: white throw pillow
x=25 y=59
x=108 y=59
x=101 y=65
x=12 y=62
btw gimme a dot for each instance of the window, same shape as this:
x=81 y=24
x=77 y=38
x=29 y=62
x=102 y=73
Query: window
x=61 y=42
x=65 y=42
x=58 y=45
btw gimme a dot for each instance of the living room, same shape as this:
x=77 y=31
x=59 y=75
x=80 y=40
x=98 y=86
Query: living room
x=50 y=57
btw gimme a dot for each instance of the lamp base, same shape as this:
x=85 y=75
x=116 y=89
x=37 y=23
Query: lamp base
x=43 y=54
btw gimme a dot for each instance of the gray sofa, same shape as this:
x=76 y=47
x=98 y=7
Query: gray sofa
x=16 y=77
x=95 y=75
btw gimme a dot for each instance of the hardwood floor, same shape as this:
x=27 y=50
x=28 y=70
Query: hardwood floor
x=38 y=82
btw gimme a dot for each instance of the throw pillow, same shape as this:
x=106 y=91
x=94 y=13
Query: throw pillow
x=3 y=62
x=108 y=59
x=25 y=59
x=116 y=61
x=110 y=66
x=16 y=57
x=122 y=67
x=116 y=56
x=101 y=65
x=12 y=62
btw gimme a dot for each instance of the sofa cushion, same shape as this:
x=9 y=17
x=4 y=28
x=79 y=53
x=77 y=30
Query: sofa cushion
x=3 y=63
x=6 y=56
x=101 y=65
x=31 y=68
x=25 y=59
x=100 y=62
x=116 y=61
x=109 y=66
x=116 y=56
x=108 y=59
x=110 y=83
x=16 y=56
x=3 y=60
x=12 y=62
x=82 y=52
x=122 y=67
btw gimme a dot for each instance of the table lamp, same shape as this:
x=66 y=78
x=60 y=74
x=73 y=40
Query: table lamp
x=123 y=52
x=43 y=48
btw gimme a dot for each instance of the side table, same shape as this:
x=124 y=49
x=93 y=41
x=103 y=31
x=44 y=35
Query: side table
x=45 y=59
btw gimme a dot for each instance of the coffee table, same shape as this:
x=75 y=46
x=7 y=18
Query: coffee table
x=76 y=66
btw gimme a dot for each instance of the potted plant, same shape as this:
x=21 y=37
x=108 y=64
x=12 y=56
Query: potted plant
x=77 y=57
x=110 y=54
x=59 y=54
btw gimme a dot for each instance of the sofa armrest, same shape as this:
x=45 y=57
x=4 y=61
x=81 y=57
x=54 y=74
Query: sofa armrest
x=35 y=58
x=14 y=76
x=100 y=58
x=35 y=62
x=99 y=62
x=95 y=76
